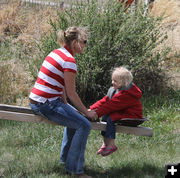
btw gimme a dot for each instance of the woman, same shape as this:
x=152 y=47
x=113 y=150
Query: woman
x=48 y=98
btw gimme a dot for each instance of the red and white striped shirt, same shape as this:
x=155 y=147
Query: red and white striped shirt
x=50 y=81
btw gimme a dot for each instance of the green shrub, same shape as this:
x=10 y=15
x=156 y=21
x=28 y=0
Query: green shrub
x=116 y=38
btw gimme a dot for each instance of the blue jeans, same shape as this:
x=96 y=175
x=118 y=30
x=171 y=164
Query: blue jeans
x=110 y=128
x=75 y=134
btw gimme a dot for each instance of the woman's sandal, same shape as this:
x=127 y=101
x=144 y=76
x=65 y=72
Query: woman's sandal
x=108 y=151
x=101 y=149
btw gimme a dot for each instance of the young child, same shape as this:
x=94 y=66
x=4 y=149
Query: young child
x=121 y=101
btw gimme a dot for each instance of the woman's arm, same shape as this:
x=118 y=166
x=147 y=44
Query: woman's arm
x=70 y=84
x=64 y=96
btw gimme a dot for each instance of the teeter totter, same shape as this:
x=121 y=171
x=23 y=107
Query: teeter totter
x=25 y=114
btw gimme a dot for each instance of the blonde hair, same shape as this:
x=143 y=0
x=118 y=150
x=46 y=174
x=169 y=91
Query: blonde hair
x=72 y=33
x=123 y=76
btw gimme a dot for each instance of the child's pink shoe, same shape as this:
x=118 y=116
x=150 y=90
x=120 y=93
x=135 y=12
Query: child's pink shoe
x=101 y=149
x=109 y=151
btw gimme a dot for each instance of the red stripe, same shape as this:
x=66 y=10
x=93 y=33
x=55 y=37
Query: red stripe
x=70 y=70
x=54 y=63
x=44 y=94
x=69 y=50
x=63 y=56
x=42 y=82
x=128 y=3
x=52 y=75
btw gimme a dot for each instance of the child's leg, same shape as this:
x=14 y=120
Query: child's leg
x=109 y=137
x=101 y=149
x=104 y=119
x=110 y=148
x=110 y=129
x=108 y=145
x=109 y=142
x=103 y=146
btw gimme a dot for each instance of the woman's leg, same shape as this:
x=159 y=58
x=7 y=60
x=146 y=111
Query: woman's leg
x=66 y=143
x=75 y=136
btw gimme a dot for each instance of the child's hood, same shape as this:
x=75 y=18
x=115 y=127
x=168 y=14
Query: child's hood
x=135 y=91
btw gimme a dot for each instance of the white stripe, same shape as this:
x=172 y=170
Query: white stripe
x=37 y=98
x=53 y=69
x=40 y=98
x=46 y=89
x=57 y=58
x=63 y=63
x=70 y=65
x=66 y=52
x=49 y=80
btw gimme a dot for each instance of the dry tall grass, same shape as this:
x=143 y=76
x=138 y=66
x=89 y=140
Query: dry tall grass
x=22 y=26
x=15 y=83
x=171 y=22
x=26 y=24
x=10 y=24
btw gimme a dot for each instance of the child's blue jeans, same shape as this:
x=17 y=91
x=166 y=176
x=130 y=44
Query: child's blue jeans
x=75 y=134
x=110 y=128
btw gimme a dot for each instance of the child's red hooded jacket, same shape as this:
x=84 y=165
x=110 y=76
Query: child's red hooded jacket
x=124 y=104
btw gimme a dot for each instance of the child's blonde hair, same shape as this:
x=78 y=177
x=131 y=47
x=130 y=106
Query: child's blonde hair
x=123 y=76
x=72 y=33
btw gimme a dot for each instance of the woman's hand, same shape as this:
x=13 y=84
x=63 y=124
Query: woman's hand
x=92 y=115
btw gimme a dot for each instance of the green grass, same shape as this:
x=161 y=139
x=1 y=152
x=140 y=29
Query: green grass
x=32 y=150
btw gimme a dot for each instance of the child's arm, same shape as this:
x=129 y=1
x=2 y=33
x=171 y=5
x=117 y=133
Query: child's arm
x=99 y=103
x=116 y=103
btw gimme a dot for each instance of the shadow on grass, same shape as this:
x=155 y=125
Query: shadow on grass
x=128 y=171
x=56 y=171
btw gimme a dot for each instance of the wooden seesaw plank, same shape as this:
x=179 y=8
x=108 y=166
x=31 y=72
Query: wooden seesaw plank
x=13 y=108
x=24 y=114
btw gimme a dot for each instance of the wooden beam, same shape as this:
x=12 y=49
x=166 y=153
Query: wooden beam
x=138 y=131
x=23 y=117
x=29 y=117
x=13 y=108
